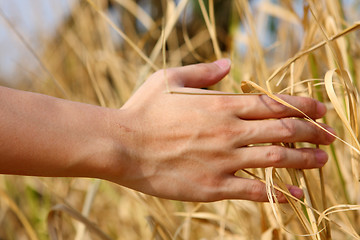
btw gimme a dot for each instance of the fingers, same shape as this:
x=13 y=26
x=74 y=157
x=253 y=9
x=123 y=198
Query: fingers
x=262 y=107
x=257 y=107
x=199 y=75
x=286 y=130
x=249 y=189
x=244 y=106
x=279 y=157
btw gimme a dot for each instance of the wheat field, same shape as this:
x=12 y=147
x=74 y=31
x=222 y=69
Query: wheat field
x=104 y=50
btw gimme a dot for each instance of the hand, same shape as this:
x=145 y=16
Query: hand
x=188 y=147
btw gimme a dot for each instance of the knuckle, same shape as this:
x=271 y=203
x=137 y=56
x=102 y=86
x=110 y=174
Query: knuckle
x=308 y=158
x=225 y=131
x=276 y=155
x=212 y=190
x=257 y=192
x=277 y=107
x=159 y=73
x=229 y=137
x=222 y=103
x=168 y=74
x=288 y=129
x=280 y=108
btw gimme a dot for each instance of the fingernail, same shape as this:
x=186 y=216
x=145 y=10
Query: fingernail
x=321 y=157
x=320 y=109
x=223 y=63
x=296 y=192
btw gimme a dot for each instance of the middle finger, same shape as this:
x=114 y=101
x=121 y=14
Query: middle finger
x=285 y=130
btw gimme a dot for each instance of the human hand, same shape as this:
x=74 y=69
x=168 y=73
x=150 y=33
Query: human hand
x=188 y=147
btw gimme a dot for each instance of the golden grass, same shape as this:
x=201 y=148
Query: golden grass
x=312 y=54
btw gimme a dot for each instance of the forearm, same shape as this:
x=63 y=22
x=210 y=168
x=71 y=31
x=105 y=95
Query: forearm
x=46 y=136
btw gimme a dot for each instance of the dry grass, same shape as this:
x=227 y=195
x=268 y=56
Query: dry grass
x=311 y=50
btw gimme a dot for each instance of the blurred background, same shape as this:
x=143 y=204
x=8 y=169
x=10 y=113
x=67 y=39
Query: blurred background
x=37 y=22
x=100 y=51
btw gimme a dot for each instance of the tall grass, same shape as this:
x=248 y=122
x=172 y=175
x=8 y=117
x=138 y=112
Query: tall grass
x=305 y=48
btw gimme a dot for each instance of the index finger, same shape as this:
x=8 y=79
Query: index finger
x=259 y=107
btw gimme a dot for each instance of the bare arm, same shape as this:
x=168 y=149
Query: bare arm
x=46 y=136
x=176 y=146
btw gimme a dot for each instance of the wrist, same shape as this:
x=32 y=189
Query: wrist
x=106 y=155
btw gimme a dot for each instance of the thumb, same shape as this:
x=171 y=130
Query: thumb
x=201 y=75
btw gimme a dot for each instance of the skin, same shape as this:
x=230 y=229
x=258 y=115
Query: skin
x=175 y=146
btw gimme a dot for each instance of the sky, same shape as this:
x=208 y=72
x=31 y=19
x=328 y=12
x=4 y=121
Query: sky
x=35 y=20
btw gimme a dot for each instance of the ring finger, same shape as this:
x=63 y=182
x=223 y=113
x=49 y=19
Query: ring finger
x=277 y=156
